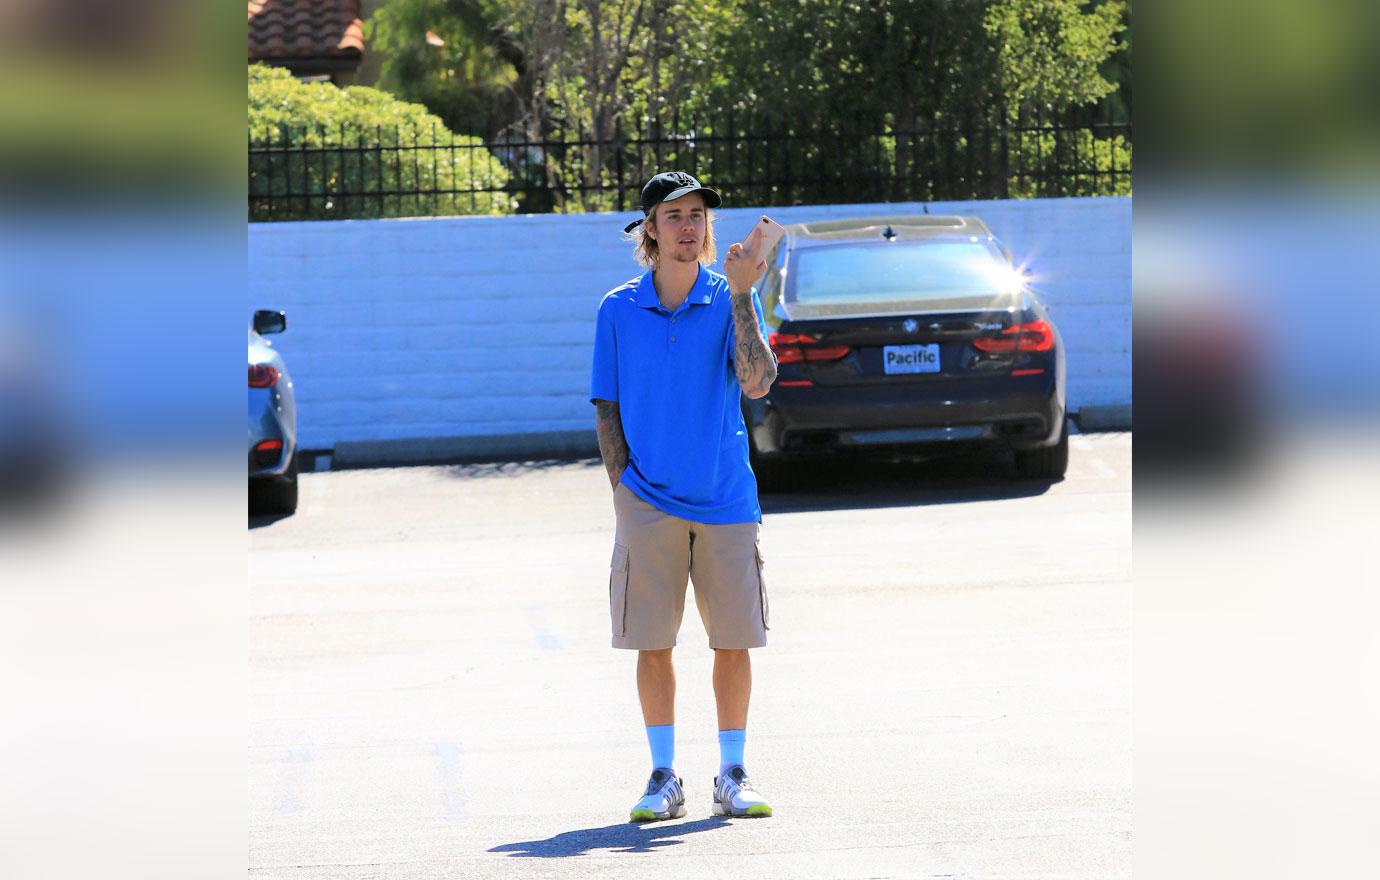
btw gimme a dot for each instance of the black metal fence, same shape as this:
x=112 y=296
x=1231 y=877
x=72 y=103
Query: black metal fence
x=325 y=174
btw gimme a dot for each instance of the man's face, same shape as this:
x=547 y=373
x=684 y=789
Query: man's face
x=679 y=228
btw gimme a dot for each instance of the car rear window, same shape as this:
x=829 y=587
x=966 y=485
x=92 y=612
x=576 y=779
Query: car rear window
x=929 y=269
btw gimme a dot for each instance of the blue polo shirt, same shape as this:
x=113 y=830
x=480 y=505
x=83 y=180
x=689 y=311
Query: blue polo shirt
x=671 y=374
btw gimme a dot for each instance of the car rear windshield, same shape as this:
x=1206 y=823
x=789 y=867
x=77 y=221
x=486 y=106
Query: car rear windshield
x=922 y=269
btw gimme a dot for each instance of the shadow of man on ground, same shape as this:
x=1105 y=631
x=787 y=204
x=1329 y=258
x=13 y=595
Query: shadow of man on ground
x=624 y=837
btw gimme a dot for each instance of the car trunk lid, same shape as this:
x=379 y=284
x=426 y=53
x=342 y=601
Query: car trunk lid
x=857 y=346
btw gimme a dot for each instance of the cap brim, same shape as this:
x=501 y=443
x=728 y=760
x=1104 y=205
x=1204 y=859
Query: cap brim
x=711 y=198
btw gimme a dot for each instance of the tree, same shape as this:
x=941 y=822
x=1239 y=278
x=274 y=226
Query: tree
x=606 y=70
x=913 y=91
x=533 y=68
x=1050 y=52
x=453 y=56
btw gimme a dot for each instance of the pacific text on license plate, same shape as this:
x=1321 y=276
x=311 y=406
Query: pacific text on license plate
x=911 y=358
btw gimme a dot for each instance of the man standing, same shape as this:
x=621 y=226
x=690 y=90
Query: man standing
x=674 y=349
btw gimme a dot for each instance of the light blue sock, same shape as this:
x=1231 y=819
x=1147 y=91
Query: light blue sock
x=662 y=739
x=731 y=744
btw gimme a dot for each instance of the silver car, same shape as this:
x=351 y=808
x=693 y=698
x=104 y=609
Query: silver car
x=272 y=420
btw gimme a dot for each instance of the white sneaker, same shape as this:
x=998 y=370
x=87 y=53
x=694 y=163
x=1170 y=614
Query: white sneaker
x=665 y=798
x=735 y=796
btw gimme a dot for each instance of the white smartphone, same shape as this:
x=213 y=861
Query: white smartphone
x=771 y=234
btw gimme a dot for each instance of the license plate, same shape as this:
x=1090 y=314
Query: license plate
x=911 y=358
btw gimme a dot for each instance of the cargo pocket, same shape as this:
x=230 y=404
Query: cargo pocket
x=618 y=589
x=762 y=588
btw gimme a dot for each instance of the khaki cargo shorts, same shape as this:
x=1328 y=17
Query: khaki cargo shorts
x=655 y=553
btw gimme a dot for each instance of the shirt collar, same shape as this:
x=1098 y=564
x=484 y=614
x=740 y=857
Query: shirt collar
x=699 y=295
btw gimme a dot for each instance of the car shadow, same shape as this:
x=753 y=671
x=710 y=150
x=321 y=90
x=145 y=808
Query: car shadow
x=260 y=520
x=625 y=837
x=845 y=483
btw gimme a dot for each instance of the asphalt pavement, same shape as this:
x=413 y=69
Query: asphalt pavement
x=945 y=692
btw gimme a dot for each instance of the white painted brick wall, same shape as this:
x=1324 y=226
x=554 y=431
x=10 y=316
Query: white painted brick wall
x=468 y=326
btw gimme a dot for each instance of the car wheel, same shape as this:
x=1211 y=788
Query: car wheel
x=280 y=493
x=1047 y=463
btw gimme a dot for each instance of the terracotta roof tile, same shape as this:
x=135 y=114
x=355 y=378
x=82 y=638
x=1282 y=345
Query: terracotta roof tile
x=281 y=30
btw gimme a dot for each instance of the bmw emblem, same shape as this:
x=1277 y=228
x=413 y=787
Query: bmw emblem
x=910 y=326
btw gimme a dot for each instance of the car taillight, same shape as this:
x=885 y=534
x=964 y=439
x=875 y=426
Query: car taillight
x=792 y=348
x=266 y=453
x=262 y=375
x=1033 y=336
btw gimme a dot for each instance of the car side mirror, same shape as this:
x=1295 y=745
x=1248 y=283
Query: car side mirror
x=268 y=321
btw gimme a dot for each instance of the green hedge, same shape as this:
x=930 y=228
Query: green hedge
x=319 y=152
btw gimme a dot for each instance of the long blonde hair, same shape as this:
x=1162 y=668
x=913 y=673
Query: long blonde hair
x=647 y=252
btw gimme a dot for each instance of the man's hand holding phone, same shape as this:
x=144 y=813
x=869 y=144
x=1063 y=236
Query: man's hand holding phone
x=746 y=260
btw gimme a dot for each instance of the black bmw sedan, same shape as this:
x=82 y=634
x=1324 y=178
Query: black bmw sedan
x=905 y=334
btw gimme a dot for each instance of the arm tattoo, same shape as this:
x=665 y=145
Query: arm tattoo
x=613 y=446
x=752 y=359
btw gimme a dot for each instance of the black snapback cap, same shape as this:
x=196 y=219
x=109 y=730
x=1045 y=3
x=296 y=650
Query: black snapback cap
x=667 y=187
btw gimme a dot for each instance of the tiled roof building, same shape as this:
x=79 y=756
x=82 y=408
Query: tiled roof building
x=312 y=38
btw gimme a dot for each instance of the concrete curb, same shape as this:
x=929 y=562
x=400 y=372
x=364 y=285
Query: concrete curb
x=564 y=444
x=1105 y=418
x=457 y=450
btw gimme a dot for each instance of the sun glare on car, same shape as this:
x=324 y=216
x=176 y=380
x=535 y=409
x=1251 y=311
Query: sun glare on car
x=1004 y=278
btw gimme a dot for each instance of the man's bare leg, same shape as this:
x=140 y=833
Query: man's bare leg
x=732 y=686
x=734 y=795
x=656 y=686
